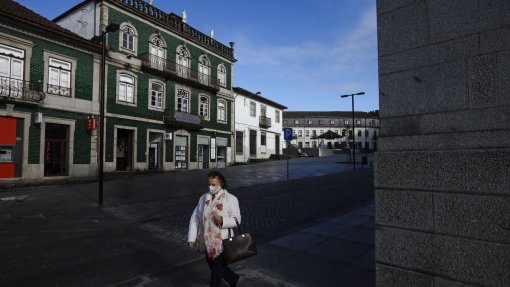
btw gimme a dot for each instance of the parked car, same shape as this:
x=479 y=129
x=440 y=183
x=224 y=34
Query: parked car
x=303 y=154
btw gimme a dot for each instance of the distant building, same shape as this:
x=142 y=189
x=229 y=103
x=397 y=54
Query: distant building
x=258 y=126
x=308 y=126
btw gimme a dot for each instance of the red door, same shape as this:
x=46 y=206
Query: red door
x=7 y=145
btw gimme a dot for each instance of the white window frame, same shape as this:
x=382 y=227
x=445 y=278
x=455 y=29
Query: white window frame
x=219 y=117
x=204 y=70
x=122 y=32
x=182 y=98
x=253 y=109
x=346 y=122
x=152 y=93
x=183 y=61
x=296 y=122
x=126 y=84
x=157 y=44
x=207 y=108
x=222 y=75
x=57 y=68
x=332 y=122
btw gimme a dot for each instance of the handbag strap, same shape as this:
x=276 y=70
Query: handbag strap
x=231 y=233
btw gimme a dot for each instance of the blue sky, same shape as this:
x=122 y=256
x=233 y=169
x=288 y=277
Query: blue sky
x=303 y=54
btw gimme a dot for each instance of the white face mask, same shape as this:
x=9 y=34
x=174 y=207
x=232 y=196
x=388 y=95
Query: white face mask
x=214 y=189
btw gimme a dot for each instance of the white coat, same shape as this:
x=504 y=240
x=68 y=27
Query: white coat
x=229 y=212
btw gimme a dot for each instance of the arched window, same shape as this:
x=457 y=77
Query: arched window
x=222 y=112
x=204 y=70
x=126 y=88
x=157 y=53
x=182 y=101
x=222 y=75
x=156 y=96
x=204 y=107
x=128 y=38
x=183 y=62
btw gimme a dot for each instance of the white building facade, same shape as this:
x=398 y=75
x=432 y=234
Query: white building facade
x=308 y=126
x=258 y=126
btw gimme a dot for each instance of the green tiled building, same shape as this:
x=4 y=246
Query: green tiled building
x=168 y=87
x=48 y=95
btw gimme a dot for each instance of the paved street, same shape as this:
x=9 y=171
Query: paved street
x=56 y=236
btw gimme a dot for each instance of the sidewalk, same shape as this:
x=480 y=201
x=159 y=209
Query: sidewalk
x=334 y=251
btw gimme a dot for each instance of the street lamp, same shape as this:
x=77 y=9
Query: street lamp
x=112 y=27
x=353 y=133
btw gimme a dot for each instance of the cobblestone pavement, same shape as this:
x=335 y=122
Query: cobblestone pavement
x=265 y=208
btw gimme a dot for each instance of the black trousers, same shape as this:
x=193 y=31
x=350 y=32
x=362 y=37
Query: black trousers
x=220 y=270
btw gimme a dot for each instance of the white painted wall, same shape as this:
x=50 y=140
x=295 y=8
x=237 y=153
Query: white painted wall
x=81 y=21
x=244 y=122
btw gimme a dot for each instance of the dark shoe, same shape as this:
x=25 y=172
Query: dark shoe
x=235 y=281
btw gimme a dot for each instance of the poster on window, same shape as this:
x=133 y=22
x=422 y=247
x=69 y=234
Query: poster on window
x=213 y=148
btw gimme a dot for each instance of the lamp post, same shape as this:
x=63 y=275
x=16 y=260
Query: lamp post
x=112 y=27
x=353 y=125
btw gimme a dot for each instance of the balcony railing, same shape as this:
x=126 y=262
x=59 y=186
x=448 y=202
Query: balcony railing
x=264 y=122
x=176 y=119
x=160 y=65
x=59 y=90
x=21 y=90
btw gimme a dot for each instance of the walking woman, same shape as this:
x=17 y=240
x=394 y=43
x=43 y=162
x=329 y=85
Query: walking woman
x=213 y=216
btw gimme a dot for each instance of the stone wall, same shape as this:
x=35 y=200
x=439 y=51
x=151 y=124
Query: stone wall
x=442 y=173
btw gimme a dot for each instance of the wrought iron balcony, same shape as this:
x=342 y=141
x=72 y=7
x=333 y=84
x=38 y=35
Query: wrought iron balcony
x=164 y=67
x=264 y=122
x=59 y=90
x=14 y=89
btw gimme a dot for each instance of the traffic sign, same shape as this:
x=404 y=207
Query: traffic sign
x=287 y=134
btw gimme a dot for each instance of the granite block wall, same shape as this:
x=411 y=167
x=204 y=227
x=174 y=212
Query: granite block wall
x=442 y=173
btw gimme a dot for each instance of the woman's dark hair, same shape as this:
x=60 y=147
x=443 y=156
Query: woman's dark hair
x=219 y=175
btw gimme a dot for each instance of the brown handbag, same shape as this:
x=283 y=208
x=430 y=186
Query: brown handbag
x=236 y=248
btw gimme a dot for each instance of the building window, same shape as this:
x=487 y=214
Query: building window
x=285 y=122
x=307 y=133
x=182 y=101
x=263 y=138
x=332 y=122
x=310 y=122
x=157 y=53
x=346 y=122
x=366 y=133
x=276 y=116
x=59 y=80
x=314 y=133
x=307 y=144
x=300 y=133
x=183 y=62
x=239 y=142
x=204 y=70
x=262 y=110
x=126 y=88
x=343 y=133
x=156 y=96
x=253 y=109
x=222 y=112
x=359 y=133
x=375 y=133
x=128 y=35
x=204 y=107
x=322 y=132
x=222 y=75
x=358 y=122
x=296 y=122
x=321 y=122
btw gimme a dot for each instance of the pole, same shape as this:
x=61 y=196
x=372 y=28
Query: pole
x=101 y=118
x=288 y=145
x=353 y=136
